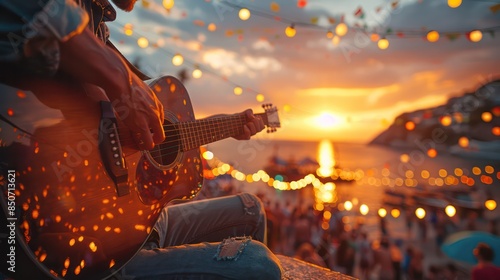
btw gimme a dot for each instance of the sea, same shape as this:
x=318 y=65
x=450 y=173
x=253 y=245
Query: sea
x=382 y=168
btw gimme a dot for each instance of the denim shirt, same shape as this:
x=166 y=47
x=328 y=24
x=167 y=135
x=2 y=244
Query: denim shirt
x=31 y=30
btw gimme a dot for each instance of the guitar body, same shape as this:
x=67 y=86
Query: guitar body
x=68 y=216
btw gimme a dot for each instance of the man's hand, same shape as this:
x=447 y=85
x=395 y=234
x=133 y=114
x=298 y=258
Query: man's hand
x=254 y=124
x=141 y=111
x=88 y=60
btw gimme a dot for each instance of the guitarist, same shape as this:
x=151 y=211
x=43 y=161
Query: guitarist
x=42 y=41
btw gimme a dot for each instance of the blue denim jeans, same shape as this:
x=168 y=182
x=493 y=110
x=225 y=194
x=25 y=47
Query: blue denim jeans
x=190 y=243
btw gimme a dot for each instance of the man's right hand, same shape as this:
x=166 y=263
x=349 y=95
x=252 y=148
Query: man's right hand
x=142 y=112
x=88 y=60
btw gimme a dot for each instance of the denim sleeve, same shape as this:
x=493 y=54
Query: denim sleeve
x=30 y=31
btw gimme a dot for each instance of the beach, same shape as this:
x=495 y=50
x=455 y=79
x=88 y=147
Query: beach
x=383 y=168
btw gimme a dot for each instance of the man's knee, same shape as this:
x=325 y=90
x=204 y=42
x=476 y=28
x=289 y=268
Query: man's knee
x=264 y=264
x=252 y=205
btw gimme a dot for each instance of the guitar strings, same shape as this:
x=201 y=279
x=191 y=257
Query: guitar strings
x=190 y=133
x=192 y=141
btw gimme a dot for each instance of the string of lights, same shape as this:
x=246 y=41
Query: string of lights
x=379 y=36
x=325 y=193
x=341 y=29
x=178 y=60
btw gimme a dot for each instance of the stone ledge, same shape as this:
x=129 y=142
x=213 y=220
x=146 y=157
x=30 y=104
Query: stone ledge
x=295 y=269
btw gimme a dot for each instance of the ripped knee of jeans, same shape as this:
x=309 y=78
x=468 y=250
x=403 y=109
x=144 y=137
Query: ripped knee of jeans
x=232 y=248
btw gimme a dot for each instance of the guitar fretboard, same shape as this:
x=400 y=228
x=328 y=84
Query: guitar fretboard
x=201 y=132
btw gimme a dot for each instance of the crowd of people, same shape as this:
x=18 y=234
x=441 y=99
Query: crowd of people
x=296 y=230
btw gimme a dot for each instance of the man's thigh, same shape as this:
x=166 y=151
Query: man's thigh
x=211 y=220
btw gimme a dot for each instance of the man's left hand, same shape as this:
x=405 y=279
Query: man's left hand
x=253 y=125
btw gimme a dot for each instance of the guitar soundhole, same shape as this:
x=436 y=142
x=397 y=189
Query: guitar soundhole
x=166 y=153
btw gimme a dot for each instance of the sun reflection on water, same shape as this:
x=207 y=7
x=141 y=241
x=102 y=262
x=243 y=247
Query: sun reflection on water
x=326 y=159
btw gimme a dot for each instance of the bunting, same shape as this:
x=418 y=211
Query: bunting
x=495 y=8
x=359 y=13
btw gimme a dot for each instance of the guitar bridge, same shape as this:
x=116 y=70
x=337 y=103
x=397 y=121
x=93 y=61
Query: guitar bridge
x=111 y=150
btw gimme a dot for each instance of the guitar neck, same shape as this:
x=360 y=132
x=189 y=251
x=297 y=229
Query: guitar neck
x=201 y=132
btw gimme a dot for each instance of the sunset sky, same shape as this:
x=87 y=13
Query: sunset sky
x=349 y=91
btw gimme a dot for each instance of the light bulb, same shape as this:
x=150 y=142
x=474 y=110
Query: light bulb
x=177 y=60
x=383 y=44
x=168 y=4
x=197 y=73
x=475 y=36
x=290 y=31
x=244 y=14
x=238 y=91
x=432 y=36
x=143 y=42
x=454 y=3
x=341 y=29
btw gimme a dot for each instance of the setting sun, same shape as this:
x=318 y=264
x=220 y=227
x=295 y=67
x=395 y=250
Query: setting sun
x=327 y=120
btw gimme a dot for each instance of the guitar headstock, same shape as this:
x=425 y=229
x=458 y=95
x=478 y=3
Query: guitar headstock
x=270 y=117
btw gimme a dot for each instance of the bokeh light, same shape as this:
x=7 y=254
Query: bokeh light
x=363 y=209
x=383 y=44
x=395 y=212
x=432 y=153
x=348 y=205
x=143 y=42
x=450 y=210
x=432 y=36
x=212 y=27
x=290 y=31
x=260 y=97
x=420 y=213
x=168 y=4
x=382 y=212
x=238 y=91
x=177 y=60
x=490 y=204
x=486 y=116
x=410 y=125
x=244 y=14
x=463 y=142
x=446 y=121
x=197 y=73
x=454 y=3
x=475 y=36
x=341 y=29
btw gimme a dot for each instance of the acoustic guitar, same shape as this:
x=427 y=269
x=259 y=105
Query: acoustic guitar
x=79 y=199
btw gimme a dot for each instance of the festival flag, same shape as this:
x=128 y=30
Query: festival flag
x=301 y=3
x=359 y=13
x=495 y=8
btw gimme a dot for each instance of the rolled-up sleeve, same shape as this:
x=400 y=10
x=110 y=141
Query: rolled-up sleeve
x=30 y=30
x=64 y=18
